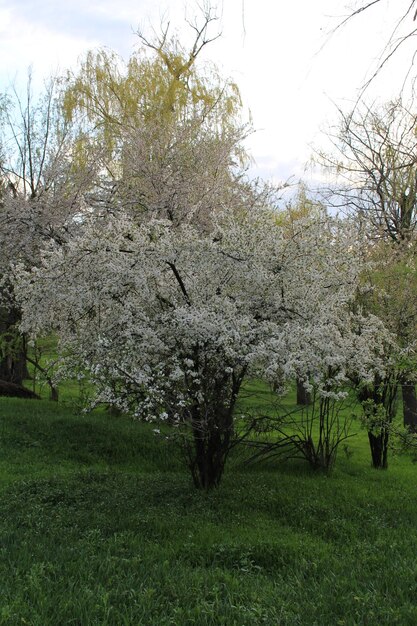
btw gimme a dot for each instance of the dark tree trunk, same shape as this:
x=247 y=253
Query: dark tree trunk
x=379 y=449
x=210 y=458
x=54 y=395
x=212 y=439
x=383 y=395
x=409 y=406
x=212 y=428
x=13 y=366
x=303 y=396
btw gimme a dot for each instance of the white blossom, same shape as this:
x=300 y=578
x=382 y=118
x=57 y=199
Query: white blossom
x=164 y=317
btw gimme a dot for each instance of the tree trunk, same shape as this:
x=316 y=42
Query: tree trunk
x=379 y=449
x=409 y=406
x=210 y=456
x=303 y=396
x=207 y=457
x=13 y=366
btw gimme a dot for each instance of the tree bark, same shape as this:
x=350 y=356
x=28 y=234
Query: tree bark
x=409 y=406
x=13 y=367
x=211 y=446
x=379 y=449
x=210 y=452
x=303 y=397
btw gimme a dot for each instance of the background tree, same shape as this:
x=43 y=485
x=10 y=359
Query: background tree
x=180 y=122
x=403 y=31
x=336 y=347
x=379 y=402
x=301 y=207
x=42 y=190
x=391 y=294
x=375 y=170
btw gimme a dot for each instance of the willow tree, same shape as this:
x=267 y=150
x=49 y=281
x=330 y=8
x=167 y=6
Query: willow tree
x=171 y=127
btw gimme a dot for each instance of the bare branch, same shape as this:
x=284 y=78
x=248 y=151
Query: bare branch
x=395 y=40
x=179 y=281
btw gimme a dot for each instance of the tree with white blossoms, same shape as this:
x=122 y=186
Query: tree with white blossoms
x=374 y=176
x=330 y=345
x=42 y=188
x=157 y=136
x=169 y=321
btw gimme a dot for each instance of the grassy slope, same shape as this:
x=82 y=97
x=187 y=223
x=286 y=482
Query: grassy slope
x=99 y=524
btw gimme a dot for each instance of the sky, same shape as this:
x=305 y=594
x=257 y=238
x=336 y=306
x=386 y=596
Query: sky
x=292 y=72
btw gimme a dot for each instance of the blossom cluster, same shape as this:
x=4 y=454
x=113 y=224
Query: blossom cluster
x=168 y=320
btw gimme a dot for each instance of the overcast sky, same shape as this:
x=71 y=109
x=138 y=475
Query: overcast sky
x=291 y=74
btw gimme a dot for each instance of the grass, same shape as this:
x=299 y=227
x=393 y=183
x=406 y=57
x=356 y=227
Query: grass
x=100 y=525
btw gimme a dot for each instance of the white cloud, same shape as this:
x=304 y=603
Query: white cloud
x=269 y=48
x=25 y=44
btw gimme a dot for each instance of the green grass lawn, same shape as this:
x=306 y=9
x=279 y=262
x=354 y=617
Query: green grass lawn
x=100 y=525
